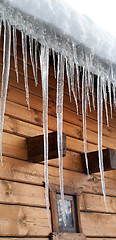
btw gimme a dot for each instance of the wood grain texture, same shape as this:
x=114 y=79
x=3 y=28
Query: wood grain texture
x=35 y=147
x=26 y=238
x=75 y=125
x=23 y=194
x=23 y=128
x=17 y=170
x=93 y=238
x=95 y=203
x=27 y=194
x=97 y=224
x=67 y=236
x=23 y=221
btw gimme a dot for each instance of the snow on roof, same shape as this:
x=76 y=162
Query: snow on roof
x=76 y=25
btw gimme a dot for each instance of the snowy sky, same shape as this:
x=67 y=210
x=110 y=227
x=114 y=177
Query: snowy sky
x=102 y=12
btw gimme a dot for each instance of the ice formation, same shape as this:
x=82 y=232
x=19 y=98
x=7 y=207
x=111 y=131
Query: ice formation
x=44 y=61
x=77 y=45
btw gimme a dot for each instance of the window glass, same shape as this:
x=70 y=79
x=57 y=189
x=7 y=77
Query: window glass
x=69 y=209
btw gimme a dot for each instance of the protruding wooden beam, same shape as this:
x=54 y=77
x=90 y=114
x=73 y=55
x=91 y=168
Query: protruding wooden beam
x=109 y=159
x=35 y=146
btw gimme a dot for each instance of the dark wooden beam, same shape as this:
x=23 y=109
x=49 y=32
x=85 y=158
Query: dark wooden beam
x=109 y=159
x=35 y=147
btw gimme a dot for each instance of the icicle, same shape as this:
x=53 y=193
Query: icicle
x=74 y=48
x=54 y=63
x=15 y=51
x=99 y=116
x=0 y=27
x=24 y=50
x=5 y=76
x=60 y=91
x=105 y=101
x=87 y=89
x=36 y=65
x=72 y=83
x=32 y=58
x=68 y=78
x=92 y=86
x=114 y=94
x=84 y=106
x=110 y=97
x=44 y=63
x=78 y=85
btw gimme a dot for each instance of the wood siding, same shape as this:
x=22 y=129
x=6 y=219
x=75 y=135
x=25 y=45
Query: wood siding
x=22 y=195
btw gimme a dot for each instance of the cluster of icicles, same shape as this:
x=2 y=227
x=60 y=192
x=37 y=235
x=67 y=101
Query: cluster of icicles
x=72 y=67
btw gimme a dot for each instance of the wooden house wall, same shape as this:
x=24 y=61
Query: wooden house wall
x=22 y=194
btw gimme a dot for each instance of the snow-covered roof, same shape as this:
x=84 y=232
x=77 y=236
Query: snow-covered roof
x=54 y=23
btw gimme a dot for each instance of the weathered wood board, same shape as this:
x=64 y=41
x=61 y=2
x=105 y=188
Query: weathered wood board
x=17 y=170
x=23 y=221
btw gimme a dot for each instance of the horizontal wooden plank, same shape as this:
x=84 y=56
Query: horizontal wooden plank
x=67 y=236
x=91 y=202
x=26 y=238
x=98 y=225
x=27 y=194
x=23 y=221
x=14 y=146
x=16 y=126
x=17 y=170
x=35 y=117
x=20 y=193
x=93 y=238
x=37 y=103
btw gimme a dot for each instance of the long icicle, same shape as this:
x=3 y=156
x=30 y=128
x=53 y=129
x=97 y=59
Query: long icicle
x=15 y=51
x=114 y=94
x=54 y=62
x=0 y=27
x=99 y=116
x=110 y=96
x=92 y=90
x=32 y=58
x=87 y=76
x=68 y=77
x=36 y=58
x=5 y=76
x=44 y=62
x=24 y=50
x=105 y=101
x=84 y=110
x=78 y=79
x=60 y=91
x=72 y=71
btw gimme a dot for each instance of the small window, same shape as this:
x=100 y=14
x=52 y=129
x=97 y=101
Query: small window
x=72 y=226
x=69 y=208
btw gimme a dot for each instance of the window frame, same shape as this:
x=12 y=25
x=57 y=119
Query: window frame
x=54 y=190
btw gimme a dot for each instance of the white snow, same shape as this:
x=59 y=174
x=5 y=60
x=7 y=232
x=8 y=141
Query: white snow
x=70 y=22
x=103 y=13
